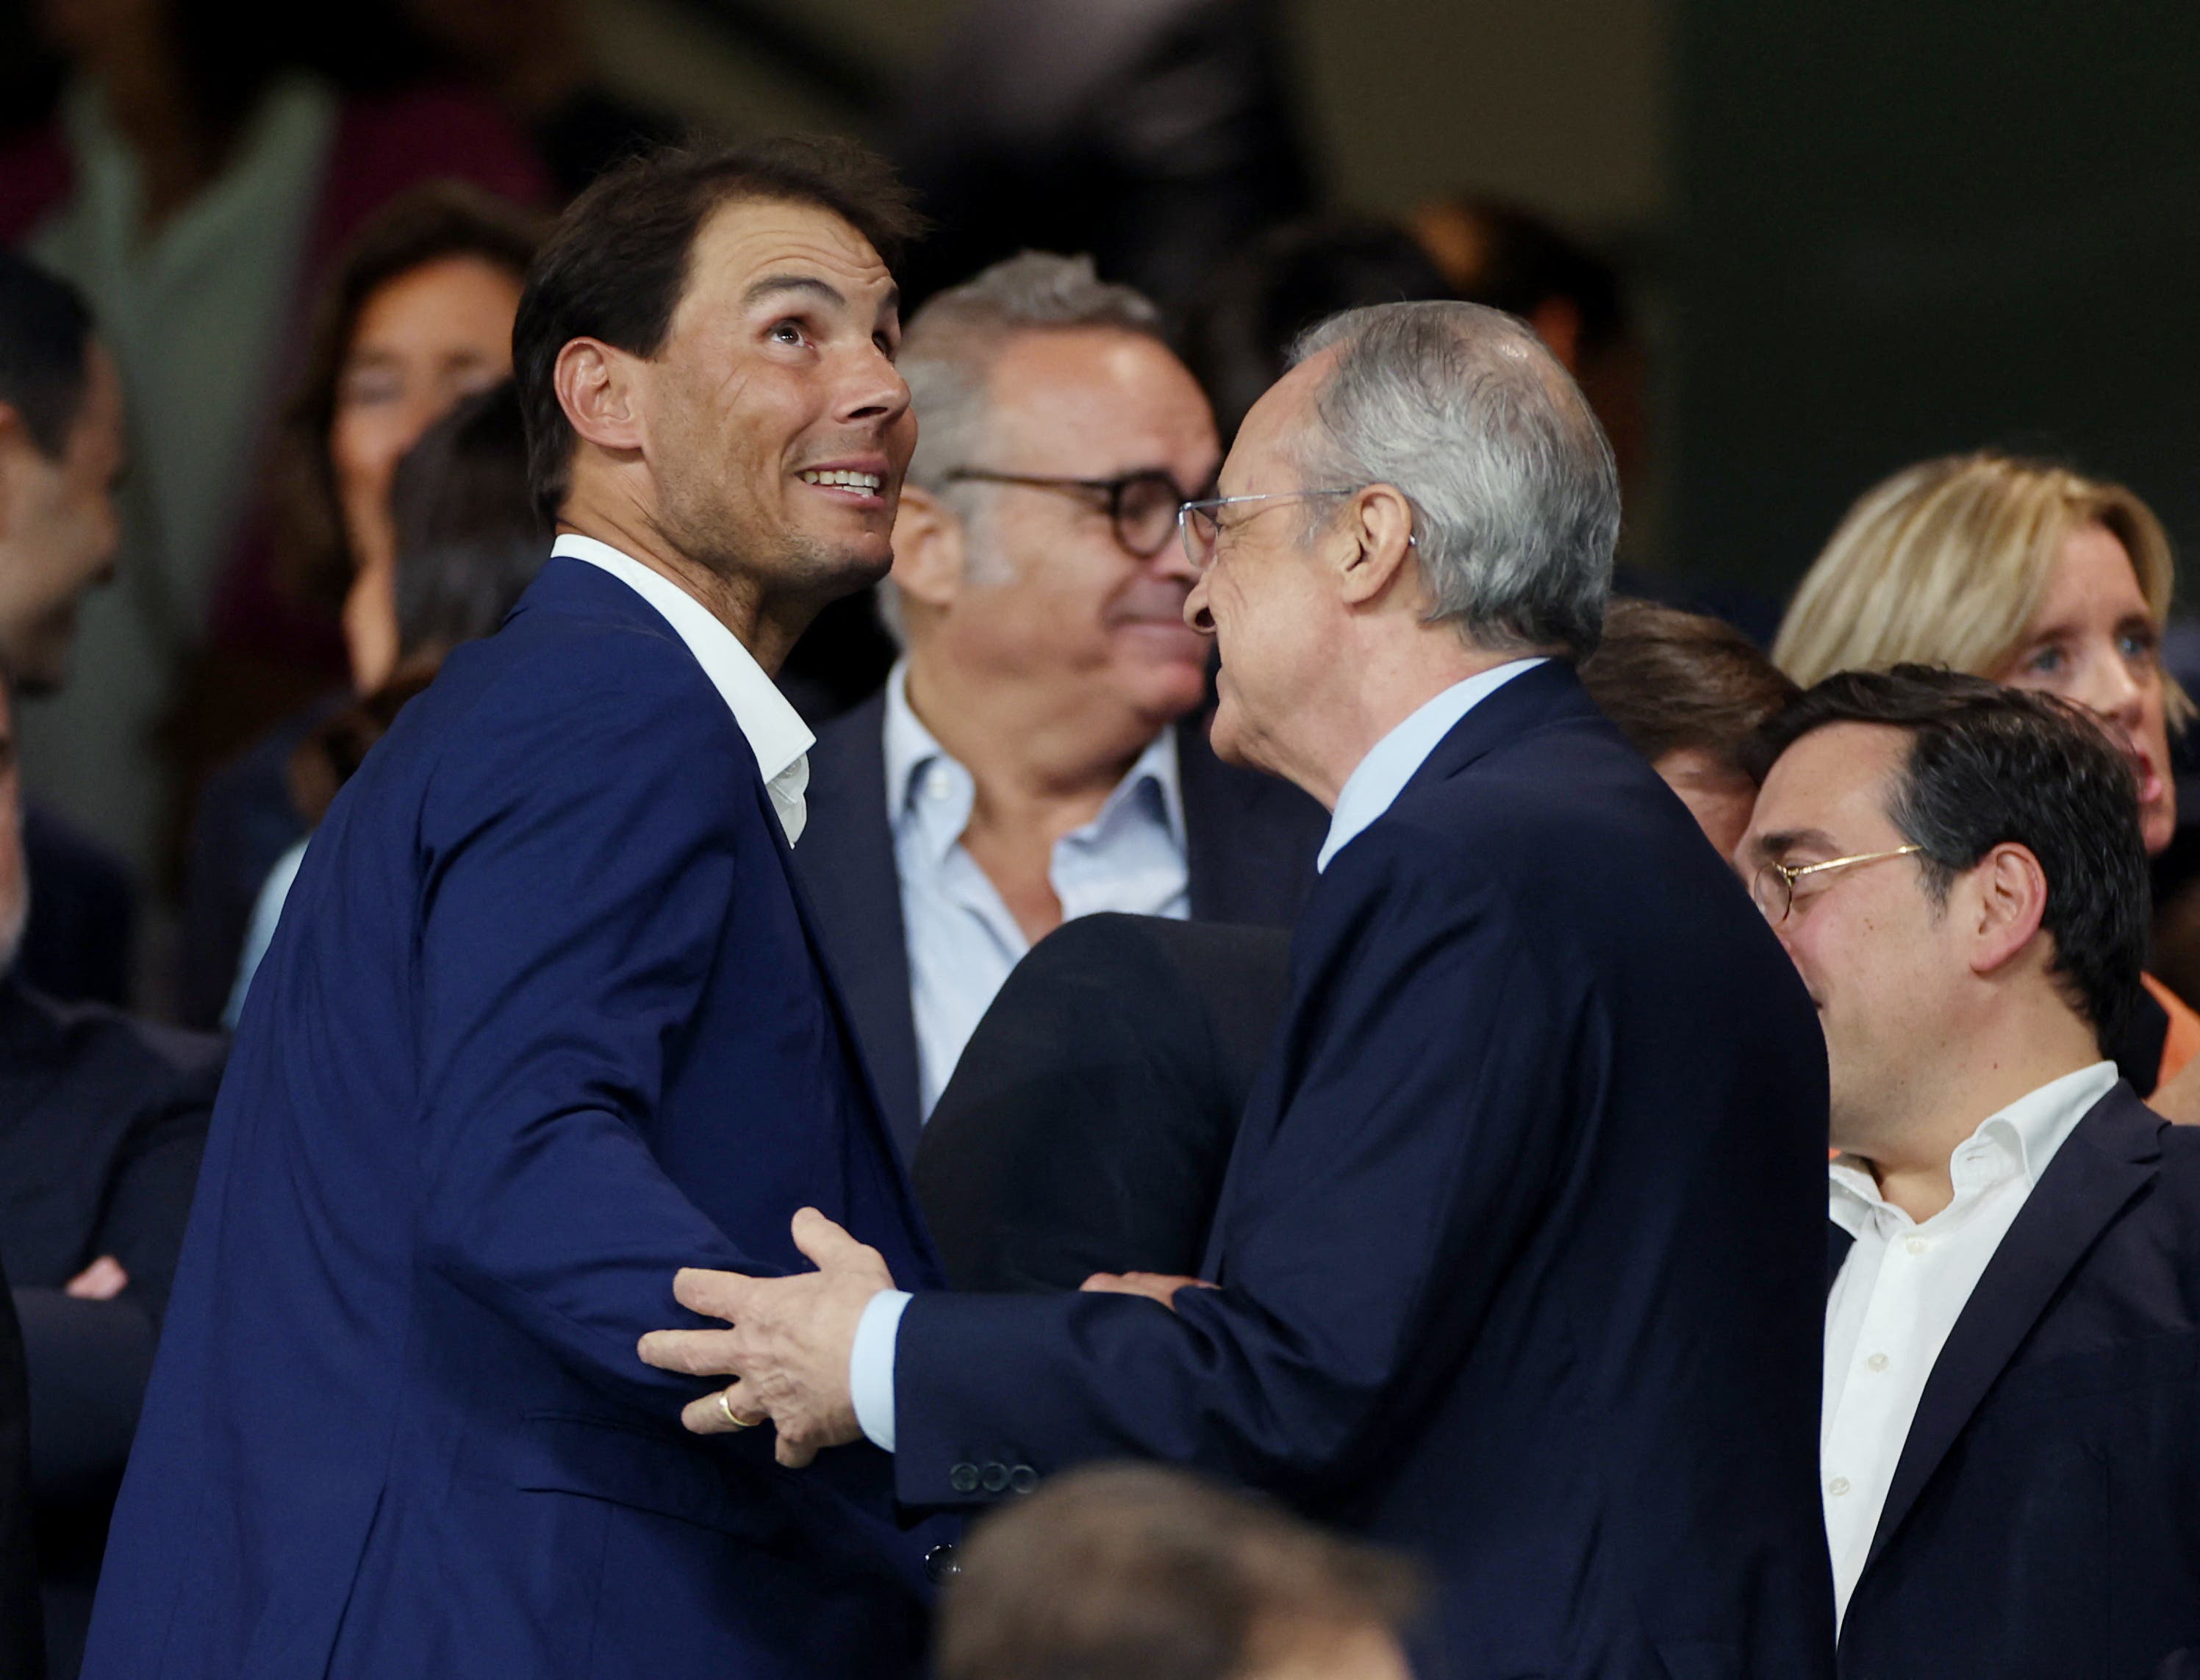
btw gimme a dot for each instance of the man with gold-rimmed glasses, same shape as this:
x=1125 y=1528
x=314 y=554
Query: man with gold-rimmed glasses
x=1957 y=871
x=1515 y=1263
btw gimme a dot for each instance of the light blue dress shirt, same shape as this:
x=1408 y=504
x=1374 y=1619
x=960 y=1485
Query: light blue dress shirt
x=961 y=939
x=1372 y=788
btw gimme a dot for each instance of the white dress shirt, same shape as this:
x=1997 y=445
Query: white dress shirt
x=773 y=728
x=962 y=940
x=1900 y=1290
x=1372 y=788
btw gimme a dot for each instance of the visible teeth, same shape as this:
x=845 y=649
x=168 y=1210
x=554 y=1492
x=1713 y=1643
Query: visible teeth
x=852 y=481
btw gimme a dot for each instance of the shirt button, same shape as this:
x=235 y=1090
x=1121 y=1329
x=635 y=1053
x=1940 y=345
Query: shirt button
x=1838 y=1486
x=1877 y=1362
x=1915 y=1246
x=938 y=783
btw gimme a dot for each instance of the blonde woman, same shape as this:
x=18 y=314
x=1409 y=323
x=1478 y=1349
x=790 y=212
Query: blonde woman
x=2033 y=575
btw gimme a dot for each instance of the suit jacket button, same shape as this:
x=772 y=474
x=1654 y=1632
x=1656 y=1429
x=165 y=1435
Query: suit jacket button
x=996 y=1478
x=1023 y=1478
x=963 y=1479
x=940 y=1563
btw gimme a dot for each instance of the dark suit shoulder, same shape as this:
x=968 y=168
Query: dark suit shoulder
x=121 y=1049
x=569 y=702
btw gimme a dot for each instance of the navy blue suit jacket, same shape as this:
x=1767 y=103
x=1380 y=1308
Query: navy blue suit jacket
x=1250 y=841
x=2044 y=1521
x=544 y=1022
x=1519 y=1243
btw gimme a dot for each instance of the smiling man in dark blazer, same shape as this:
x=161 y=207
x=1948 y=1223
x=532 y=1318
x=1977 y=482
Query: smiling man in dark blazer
x=1517 y=1262
x=544 y=1018
x=2011 y=1432
x=1041 y=751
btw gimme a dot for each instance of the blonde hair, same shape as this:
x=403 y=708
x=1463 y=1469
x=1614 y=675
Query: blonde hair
x=1947 y=562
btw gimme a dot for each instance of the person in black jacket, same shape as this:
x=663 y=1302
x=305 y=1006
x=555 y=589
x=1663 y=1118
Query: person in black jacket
x=2010 y=1462
x=102 y=1120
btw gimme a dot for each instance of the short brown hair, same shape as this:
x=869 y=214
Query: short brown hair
x=616 y=266
x=1674 y=680
x=430 y=223
x=1149 y=1573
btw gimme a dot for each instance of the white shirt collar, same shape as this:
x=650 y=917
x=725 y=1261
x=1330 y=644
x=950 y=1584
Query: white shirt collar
x=2022 y=1138
x=1375 y=785
x=774 y=729
x=912 y=750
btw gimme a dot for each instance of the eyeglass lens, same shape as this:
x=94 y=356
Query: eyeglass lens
x=1144 y=512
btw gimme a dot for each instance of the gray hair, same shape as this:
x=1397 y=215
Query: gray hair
x=948 y=352
x=1515 y=496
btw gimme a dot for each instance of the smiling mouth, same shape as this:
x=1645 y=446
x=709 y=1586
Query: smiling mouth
x=839 y=478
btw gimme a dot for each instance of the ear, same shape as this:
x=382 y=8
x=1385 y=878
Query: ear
x=1373 y=545
x=2009 y=893
x=928 y=551
x=596 y=386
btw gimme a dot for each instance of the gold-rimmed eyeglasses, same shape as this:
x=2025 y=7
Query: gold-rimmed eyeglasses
x=1773 y=886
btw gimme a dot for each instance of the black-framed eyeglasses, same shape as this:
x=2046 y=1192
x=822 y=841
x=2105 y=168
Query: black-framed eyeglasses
x=1141 y=505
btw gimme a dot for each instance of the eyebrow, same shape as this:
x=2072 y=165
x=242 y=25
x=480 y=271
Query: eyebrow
x=773 y=285
x=1779 y=845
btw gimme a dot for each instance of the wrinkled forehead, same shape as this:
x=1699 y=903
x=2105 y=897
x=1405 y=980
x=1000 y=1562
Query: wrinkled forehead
x=747 y=242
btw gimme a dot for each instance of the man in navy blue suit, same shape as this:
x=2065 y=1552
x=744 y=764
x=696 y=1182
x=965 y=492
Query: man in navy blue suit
x=544 y=1021
x=1516 y=1261
x=2012 y=1436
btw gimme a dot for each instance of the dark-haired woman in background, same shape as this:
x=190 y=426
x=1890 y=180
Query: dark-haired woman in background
x=466 y=541
x=418 y=317
x=199 y=174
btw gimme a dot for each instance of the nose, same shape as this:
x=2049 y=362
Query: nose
x=1195 y=613
x=874 y=389
x=1171 y=562
x=2114 y=690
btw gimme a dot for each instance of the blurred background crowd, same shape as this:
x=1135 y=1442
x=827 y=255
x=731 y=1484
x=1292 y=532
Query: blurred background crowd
x=1783 y=257
x=1787 y=253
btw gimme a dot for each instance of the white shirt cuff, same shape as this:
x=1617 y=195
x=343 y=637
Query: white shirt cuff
x=871 y=1365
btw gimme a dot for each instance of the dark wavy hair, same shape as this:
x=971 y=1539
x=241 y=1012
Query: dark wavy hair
x=429 y=224
x=616 y=266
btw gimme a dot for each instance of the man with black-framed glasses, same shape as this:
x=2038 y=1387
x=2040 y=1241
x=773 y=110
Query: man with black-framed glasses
x=2010 y=1441
x=1040 y=752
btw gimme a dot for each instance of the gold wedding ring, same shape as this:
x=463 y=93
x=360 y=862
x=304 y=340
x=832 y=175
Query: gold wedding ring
x=726 y=1406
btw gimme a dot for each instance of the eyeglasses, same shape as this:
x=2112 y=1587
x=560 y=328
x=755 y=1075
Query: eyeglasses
x=1773 y=887
x=1141 y=505
x=1201 y=526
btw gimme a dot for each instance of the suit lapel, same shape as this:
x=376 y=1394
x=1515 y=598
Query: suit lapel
x=837 y=1002
x=1838 y=1243
x=847 y=859
x=2108 y=1160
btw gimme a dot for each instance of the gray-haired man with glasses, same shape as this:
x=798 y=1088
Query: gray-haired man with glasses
x=1040 y=752
x=1518 y=1261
